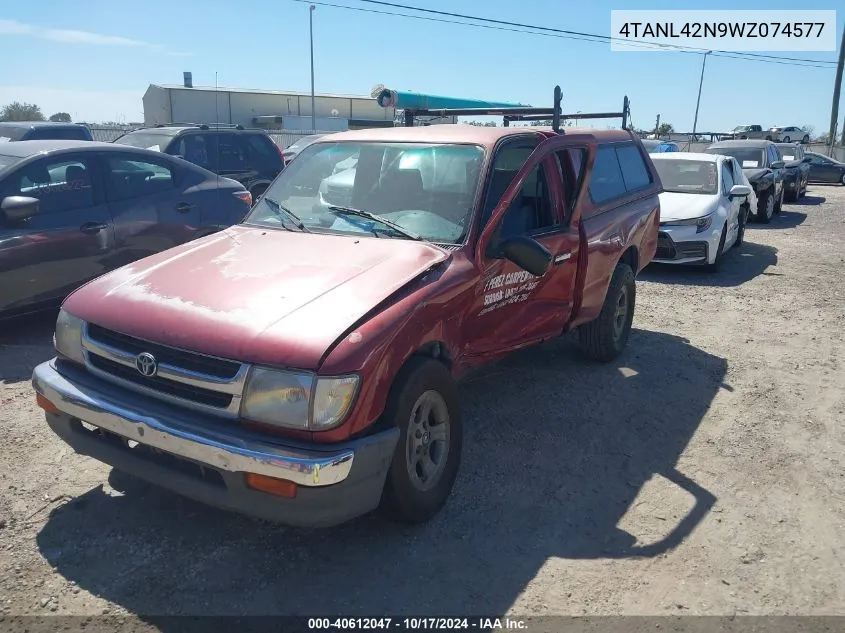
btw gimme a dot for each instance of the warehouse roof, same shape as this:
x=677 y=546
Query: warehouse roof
x=284 y=93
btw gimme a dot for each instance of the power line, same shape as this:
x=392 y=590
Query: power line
x=586 y=37
x=607 y=38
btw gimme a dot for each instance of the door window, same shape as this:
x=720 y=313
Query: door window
x=531 y=210
x=727 y=178
x=60 y=184
x=129 y=177
x=571 y=162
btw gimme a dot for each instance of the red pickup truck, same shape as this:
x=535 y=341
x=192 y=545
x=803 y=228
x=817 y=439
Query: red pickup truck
x=302 y=366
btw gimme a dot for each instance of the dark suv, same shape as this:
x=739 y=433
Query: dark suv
x=248 y=156
x=44 y=131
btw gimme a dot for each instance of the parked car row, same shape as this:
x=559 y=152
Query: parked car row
x=782 y=133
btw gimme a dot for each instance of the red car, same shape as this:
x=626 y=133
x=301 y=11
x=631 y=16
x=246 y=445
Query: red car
x=303 y=365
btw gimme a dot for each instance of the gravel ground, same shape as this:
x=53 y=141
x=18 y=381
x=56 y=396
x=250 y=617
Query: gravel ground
x=702 y=473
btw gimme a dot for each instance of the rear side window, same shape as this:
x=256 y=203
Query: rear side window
x=262 y=151
x=618 y=170
x=606 y=181
x=62 y=134
x=10 y=133
x=634 y=170
x=133 y=178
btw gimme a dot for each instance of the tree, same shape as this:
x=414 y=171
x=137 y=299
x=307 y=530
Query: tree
x=479 y=124
x=60 y=117
x=665 y=129
x=17 y=111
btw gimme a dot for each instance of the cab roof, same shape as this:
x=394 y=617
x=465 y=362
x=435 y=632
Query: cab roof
x=459 y=133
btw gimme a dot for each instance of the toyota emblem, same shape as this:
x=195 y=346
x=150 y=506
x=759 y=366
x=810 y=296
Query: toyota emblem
x=146 y=364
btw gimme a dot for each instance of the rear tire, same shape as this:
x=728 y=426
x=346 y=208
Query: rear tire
x=604 y=338
x=423 y=404
x=765 y=207
x=806 y=139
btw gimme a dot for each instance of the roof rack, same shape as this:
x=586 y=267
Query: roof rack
x=524 y=114
x=202 y=126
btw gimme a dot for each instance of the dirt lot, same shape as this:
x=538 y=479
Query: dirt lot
x=704 y=473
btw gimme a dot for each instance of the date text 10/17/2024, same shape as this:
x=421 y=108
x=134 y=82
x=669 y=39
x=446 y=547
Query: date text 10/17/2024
x=417 y=624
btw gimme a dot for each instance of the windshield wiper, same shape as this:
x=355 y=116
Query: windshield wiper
x=377 y=218
x=278 y=208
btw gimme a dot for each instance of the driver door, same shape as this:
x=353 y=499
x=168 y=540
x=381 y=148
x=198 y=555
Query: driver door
x=527 y=196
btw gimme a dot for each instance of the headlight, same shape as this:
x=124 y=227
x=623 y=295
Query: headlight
x=701 y=224
x=298 y=400
x=68 y=337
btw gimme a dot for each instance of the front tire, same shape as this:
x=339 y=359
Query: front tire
x=765 y=206
x=423 y=404
x=786 y=139
x=743 y=220
x=604 y=338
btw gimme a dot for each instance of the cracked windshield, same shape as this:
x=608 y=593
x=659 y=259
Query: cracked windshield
x=423 y=190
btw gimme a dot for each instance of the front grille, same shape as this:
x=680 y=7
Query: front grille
x=217 y=367
x=206 y=383
x=162 y=385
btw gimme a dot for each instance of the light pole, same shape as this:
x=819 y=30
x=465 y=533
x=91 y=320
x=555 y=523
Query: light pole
x=311 y=35
x=698 y=101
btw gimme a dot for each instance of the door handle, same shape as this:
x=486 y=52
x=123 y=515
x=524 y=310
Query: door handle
x=93 y=227
x=559 y=259
x=184 y=207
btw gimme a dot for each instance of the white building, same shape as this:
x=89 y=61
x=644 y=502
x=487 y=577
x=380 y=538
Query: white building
x=273 y=109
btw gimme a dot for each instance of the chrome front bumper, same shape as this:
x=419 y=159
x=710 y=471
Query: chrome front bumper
x=337 y=482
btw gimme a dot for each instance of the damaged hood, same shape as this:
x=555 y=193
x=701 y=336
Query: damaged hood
x=265 y=296
x=755 y=173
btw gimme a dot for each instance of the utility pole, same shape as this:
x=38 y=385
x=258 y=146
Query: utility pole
x=837 y=86
x=698 y=101
x=311 y=9
x=657 y=126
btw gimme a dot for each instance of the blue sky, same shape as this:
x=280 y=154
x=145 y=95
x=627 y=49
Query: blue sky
x=95 y=59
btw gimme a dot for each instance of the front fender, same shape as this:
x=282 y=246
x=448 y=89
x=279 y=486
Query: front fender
x=378 y=346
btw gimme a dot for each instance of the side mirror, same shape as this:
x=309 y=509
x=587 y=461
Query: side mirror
x=806 y=159
x=18 y=208
x=526 y=253
x=778 y=164
x=740 y=191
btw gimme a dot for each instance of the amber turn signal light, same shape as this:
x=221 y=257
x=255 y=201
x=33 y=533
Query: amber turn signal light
x=45 y=404
x=271 y=485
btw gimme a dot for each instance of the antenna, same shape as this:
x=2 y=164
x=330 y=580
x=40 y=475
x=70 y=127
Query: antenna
x=217 y=140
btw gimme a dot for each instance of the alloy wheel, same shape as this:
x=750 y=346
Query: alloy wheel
x=428 y=440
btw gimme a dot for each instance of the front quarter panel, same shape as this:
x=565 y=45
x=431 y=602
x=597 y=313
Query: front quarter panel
x=427 y=311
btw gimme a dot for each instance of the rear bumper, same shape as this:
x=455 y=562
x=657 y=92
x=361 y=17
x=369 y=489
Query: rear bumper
x=205 y=459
